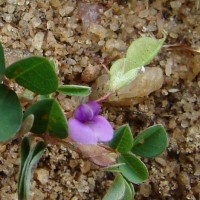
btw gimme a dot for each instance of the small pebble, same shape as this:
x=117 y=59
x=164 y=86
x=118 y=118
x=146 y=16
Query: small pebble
x=42 y=175
x=98 y=30
x=38 y=40
x=90 y=73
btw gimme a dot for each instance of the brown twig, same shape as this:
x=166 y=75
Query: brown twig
x=181 y=47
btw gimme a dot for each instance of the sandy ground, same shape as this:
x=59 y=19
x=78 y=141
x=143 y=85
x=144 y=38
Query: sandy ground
x=83 y=35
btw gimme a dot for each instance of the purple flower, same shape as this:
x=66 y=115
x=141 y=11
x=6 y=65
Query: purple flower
x=88 y=127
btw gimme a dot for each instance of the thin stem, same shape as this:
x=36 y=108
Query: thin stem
x=49 y=139
x=69 y=144
x=104 y=98
x=181 y=47
x=108 y=148
x=104 y=66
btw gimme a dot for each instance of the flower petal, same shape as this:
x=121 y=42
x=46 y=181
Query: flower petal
x=96 y=108
x=84 y=113
x=81 y=132
x=101 y=128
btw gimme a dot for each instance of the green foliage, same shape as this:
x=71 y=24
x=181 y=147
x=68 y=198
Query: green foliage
x=25 y=149
x=139 y=53
x=120 y=190
x=2 y=62
x=135 y=170
x=10 y=113
x=47 y=96
x=151 y=142
x=132 y=189
x=118 y=77
x=29 y=158
x=129 y=191
x=117 y=190
x=74 y=90
x=34 y=73
x=113 y=168
x=48 y=118
x=142 y=51
x=123 y=139
x=38 y=75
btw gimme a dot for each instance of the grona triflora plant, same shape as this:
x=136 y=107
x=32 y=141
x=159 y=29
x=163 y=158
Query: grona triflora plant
x=88 y=129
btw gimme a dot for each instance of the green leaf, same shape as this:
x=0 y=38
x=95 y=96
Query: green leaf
x=113 y=168
x=123 y=139
x=132 y=189
x=129 y=195
x=53 y=64
x=48 y=118
x=47 y=96
x=134 y=170
x=117 y=190
x=25 y=149
x=75 y=90
x=10 y=113
x=32 y=156
x=118 y=77
x=34 y=73
x=120 y=190
x=37 y=153
x=2 y=62
x=142 y=51
x=151 y=142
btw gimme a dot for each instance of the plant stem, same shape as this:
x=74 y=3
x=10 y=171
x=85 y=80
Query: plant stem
x=104 y=98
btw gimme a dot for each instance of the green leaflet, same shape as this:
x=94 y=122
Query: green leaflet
x=118 y=77
x=120 y=190
x=2 y=62
x=123 y=139
x=34 y=73
x=74 y=90
x=139 y=53
x=135 y=170
x=151 y=142
x=142 y=51
x=117 y=189
x=48 y=118
x=29 y=158
x=10 y=113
